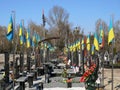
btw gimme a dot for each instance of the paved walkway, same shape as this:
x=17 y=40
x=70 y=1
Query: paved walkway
x=58 y=88
x=55 y=85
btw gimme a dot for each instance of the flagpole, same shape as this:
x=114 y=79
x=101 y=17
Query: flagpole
x=90 y=50
x=13 y=13
x=103 y=57
x=23 y=42
x=112 y=68
x=82 y=48
x=112 y=75
x=44 y=35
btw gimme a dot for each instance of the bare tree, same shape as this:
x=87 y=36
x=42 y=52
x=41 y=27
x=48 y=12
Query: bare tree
x=57 y=16
x=58 y=22
x=117 y=35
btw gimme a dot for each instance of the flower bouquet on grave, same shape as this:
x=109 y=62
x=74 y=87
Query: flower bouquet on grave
x=89 y=77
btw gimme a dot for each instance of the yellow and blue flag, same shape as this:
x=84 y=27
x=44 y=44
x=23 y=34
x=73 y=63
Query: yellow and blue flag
x=82 y=43
x=101 y=37
x=37 y=38
x=21 y=34
x=96 y=43
x=34 y=41
x=20 y=30
x=28 y=42
x=21 y=40
x=92 y=49
x=24 y=38
x=28 y=38
x=111 y=35
x=10 y=30
x=88 y=43
x=78 y=46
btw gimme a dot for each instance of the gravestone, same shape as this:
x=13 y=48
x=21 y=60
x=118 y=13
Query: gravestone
x=6 y=67
x=28 y=62
x=17 y=68
x=21 y=62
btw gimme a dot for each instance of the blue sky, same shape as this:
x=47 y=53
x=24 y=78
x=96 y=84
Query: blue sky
x=83 y=13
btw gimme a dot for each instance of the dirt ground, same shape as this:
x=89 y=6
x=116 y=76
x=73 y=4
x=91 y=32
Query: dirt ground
x=116 y=79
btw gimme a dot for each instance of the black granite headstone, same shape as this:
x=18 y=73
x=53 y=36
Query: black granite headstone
x=82 y=55
x=30 y=79
x=6 y=67
x=21 y=62
x=69 y=83
x=40 y=87
x=17 y=68
x=28 y=63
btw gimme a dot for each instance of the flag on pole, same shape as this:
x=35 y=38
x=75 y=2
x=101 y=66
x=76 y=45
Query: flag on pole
x=37 y=37
x=85 y=48
x=21 y=34
x=34 y=38
x=34 y=41
x=21 y=40
x=24 y=38
x=82 y=43
x=101 y=37
x=28 y=42
x=88 y=42
x=20 y=30
x=9 y=35
x=111 y=35
x=93 y=49
x=28 y=38
x=43 y=17
x=79 y=45
x=96 y=43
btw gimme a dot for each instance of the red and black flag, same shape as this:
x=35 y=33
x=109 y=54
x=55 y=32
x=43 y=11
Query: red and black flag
x=43 y=18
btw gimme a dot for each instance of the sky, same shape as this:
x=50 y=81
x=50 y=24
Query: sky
x=83 y=13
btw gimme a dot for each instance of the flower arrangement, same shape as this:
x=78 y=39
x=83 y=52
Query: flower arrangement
x=88 y=73
x=69 y=80
x=89 y=77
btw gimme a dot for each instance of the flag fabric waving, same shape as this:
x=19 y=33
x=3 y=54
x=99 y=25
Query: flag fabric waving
x=82 y=43
x=34 y=41
x=111 y=35
x=96 y=44
x=21 y=40
x=43 y=17
x=20 y=30
x=92 y=49
x=10 y=30
x=28 y=38
x=88 y=43
x=101 y=37
x=21 y=34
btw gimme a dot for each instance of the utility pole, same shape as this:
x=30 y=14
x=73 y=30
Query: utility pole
x=82 y=51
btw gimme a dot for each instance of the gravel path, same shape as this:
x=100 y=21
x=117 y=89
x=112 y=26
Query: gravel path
x=73 y=88
x=58 y=82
